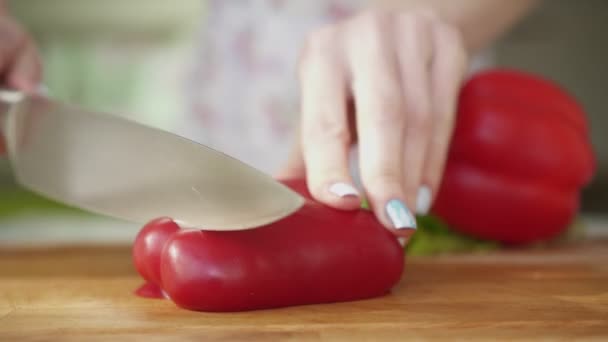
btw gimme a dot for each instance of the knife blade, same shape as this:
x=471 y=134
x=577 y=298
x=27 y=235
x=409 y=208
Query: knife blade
x=113 y=166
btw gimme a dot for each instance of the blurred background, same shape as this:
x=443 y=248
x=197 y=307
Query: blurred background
x=566 y=41
x=131 y=57
x=124 y=56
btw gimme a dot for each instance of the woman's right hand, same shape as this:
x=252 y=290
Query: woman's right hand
x=20 y=65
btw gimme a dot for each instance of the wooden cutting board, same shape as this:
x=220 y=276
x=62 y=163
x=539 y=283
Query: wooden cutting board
x=84 y=294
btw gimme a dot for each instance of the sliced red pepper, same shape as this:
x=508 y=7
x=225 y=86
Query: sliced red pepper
x=149 y=245
x=316 y=255
x=150 y=290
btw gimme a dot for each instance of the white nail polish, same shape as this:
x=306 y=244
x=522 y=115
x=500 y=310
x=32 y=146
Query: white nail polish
x=401 y=217
x=343 y=190
x=402 y=241
x=423 y=200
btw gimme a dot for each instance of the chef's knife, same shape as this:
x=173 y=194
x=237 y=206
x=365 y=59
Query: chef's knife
x=113 y=166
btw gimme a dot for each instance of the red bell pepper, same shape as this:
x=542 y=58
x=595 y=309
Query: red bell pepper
x=149 y=245
x=519 y=157
x=316 y=255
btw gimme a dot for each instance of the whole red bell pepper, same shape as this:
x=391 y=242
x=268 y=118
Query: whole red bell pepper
x=316 y=255
x=519 y=157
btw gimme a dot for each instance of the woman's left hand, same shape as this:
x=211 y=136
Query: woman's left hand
x=388 y=81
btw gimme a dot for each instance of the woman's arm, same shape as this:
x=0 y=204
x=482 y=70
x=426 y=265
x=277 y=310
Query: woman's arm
x=480 y=21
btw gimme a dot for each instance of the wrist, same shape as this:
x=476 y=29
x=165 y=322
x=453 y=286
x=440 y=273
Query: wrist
x=496 y=17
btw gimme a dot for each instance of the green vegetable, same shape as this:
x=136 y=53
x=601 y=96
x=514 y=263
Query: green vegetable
x=435 y=237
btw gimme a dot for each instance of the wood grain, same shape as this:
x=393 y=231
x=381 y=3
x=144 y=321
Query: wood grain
x=85 y=293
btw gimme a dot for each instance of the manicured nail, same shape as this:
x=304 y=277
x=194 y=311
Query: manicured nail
x=343 y=190
x=401 y=217
x=423 y=201
x=402 y=241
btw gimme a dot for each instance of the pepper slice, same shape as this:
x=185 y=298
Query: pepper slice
x=316 y=255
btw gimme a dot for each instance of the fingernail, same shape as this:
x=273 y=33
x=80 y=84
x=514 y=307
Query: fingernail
x=423 y=201
x=400 y=216
x=402 y=241
x=343 y=190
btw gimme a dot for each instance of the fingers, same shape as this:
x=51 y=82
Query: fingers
x=447 y=71
x=11 y=41
x=414 y=51
x=324 y=122
x=26 y=72
x=403 y=72
x=20 y=66
x=380 y=120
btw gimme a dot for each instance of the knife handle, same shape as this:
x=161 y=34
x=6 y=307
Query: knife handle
x=7 y=99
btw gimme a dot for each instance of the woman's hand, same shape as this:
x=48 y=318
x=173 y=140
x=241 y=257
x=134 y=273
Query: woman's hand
x=20 y=66
x=388 y=81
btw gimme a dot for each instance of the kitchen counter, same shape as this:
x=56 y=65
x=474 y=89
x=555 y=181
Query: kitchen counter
x=68 y=275
x=82 y=293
